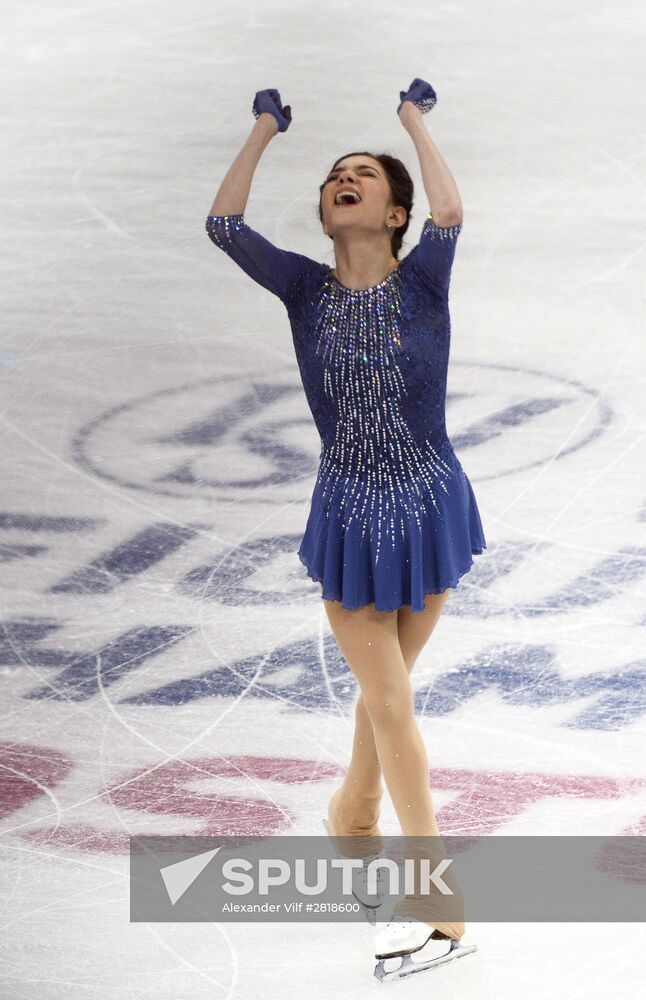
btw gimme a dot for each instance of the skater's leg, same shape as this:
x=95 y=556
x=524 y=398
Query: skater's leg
x=414 y=628
x=354 y=807
x=369 y=641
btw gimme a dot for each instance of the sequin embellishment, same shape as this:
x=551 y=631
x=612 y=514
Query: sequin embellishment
x=374 y=457
x=232 y=224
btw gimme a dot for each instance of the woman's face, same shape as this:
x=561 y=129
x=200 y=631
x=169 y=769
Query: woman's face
x=367 y=177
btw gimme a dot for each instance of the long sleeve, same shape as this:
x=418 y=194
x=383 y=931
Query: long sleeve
x=434 y=255
x=268 y=265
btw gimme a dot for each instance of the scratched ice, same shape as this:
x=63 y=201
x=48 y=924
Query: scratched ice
x=167 y=666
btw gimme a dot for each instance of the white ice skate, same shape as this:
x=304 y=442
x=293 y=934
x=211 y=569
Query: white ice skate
x=405 y=947
x=369 y=901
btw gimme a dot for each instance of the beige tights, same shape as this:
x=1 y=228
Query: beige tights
x=381 y=648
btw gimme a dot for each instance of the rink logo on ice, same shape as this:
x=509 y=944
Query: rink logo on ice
x=479 y=802
x=183 y=444
x=517 y=674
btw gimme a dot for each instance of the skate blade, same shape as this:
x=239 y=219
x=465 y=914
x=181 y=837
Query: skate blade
x=390 y=969
x=370 y=907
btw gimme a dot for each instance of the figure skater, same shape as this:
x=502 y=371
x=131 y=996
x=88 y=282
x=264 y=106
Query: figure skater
x=393 y=521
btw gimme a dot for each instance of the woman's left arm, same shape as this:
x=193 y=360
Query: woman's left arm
x=439 y=183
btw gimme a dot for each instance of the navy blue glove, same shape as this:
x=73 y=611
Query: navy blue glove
x=420 y=93
x=269 y=101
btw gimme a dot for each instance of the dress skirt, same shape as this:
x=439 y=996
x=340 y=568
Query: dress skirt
x=395 y=558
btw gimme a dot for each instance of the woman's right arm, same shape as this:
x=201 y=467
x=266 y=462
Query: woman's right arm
x=275 y=269
x=233 y=192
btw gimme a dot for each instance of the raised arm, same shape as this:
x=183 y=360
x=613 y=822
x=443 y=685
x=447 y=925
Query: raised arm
x=233 y=192
x=275 y=269
x=441 y=190
x=433 y=255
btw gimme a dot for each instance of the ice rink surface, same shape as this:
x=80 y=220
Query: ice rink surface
x=167 y=665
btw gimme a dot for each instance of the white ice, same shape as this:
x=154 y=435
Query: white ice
x=158 y=459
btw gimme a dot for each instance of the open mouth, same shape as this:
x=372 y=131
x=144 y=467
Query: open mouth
x=347 y=199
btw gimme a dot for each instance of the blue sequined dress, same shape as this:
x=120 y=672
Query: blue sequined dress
x=393 y=515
